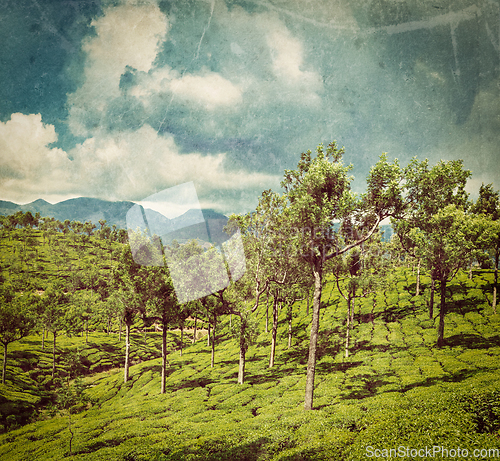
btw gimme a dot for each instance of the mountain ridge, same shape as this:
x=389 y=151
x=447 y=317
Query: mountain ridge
x=92 y=209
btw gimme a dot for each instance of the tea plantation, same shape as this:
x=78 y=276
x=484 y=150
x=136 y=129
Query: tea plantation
x=395 y=390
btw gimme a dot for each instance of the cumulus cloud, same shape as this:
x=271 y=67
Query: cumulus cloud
x=125 y=36
x=136 y=163
x=27 y=162
x=208 y=90
x=125 y=166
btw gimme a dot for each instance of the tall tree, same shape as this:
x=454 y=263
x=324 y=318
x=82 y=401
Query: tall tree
x=429 y=190
x=359 y=273
x=436 y=225
x=54 y=306
x=318 y=192
x=16 y=319
x=161 y=306
x=270 y=265
x=488 y=204
x=450 y=238
x=129 y=283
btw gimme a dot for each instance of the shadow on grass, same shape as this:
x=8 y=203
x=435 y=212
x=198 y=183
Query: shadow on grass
x=393 y=314
x=223 y=448
x=197 y=382
x=325 y=368
x=457 y=377
x=472 y=341
x=369 y=385
x=367 y=345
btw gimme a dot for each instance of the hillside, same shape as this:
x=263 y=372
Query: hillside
x=396 y=389
x=77 y=209
x=83 y=209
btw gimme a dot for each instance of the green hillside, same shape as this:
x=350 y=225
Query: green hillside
x=396 y=389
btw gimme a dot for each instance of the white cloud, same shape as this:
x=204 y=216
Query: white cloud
x=27 y=163
x=127 y=35
x=210 y=90
x=124 y=166
x=135 y=164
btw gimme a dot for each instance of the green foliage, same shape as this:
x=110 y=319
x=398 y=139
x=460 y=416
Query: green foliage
x=394 y=389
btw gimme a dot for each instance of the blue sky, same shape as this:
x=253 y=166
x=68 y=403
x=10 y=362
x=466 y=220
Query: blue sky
x=120 y=100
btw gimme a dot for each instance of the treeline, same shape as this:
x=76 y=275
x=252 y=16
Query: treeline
x=50 y=226
x=279 y=254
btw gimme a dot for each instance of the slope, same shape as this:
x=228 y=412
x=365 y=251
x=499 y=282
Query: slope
x=395 y=390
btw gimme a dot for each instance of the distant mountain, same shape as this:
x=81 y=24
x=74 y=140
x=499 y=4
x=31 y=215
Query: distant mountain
x=187 y=226
x=204 y=225
x=76 y=209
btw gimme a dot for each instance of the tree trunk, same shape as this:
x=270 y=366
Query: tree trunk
x=194 y=332
x=54 y=354
x=470 y=270
x=267 y=313
x=70 y=431
x=182 y=340
x=127 y=352
x=212 y=358
x=495 y=281
x=163 y=357
x=431 y=300
x=442 y=313
x=313 y=341
x=352 y=304
x=86 y=331
x=290 y=327
x=274 y=332
x=4 y=366
x=348 y=325
x=241 y=369
x=417 y=291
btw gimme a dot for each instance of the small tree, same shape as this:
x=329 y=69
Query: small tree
x=245 y=330
x=54 y=306
x=488 y=204
x=450 y=238
x=16 y=320
x=85 y=304
x=363 y=270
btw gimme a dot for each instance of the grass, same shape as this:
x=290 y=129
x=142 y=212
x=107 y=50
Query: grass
x=395 y=388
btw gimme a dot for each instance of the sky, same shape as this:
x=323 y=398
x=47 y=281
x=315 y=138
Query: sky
x=120 y=100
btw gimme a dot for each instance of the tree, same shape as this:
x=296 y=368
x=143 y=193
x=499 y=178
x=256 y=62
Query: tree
x=488 y=204
x=436 y=226
x=127 y=297
x=270 y=266
x=128 y=304
x=449 y=240
x=245 y=331
x=53 y=309
x=363 y=270
x=161 y=306
x=85 y=307
x=200 y=275
x=16 y=320
x=429 y=190
x=318 y=194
